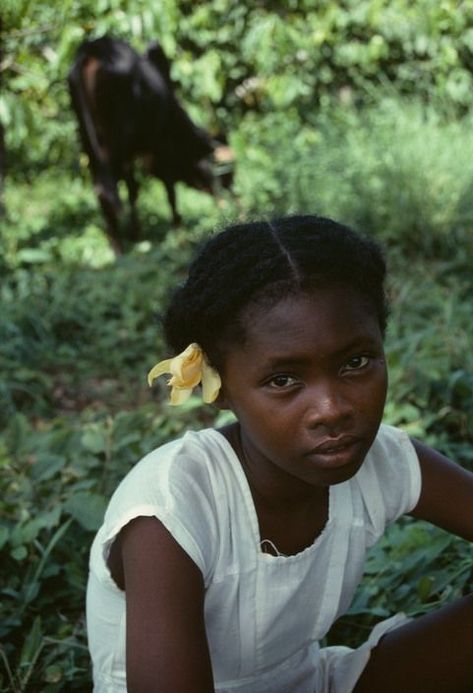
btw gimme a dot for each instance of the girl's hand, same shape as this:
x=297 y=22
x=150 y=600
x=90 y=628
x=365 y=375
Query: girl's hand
x=446 y=497
x=166 y=644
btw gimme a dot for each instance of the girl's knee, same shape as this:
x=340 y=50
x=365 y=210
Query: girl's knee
x=430 y=653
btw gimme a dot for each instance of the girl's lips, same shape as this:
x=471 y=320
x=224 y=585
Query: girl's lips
x=336 y=452
x=333 y=445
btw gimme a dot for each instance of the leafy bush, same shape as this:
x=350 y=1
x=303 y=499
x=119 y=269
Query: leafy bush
x=234 y=57
x=396 y=170
x=77 y=327
x=414 y=568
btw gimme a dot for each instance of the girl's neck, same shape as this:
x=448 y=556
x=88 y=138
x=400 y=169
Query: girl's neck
x=290 y=515
x=272 y=488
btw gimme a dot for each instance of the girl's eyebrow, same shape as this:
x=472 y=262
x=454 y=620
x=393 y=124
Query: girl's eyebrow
x=280 y=361
x=358 y=342
x=365 y=341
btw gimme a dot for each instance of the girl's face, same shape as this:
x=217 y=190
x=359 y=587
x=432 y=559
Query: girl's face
x=308 y=388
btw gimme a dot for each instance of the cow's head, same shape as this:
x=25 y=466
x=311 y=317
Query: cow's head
x=212 y=173
x=223 y=165
x=199 y=175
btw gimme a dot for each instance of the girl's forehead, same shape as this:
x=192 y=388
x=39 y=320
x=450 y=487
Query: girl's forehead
x=320 y=303
x=325 y=316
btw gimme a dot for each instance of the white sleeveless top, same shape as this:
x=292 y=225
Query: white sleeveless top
x=264 y=614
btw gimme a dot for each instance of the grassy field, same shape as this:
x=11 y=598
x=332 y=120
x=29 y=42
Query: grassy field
x=79 y=329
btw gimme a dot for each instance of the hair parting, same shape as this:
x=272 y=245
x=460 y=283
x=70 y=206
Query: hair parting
x=262 y=262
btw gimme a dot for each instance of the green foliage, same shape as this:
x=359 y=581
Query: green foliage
x=415 y=567
x=396 y=169
x=431 y=366
x=78 y=333
x=56 y=478
x=234 y=57
x=310 y=93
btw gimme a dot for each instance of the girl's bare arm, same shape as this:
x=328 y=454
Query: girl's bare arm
x=446 y=497
x=166 y=644
x=431 y=652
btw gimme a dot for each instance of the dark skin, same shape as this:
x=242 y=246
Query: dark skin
x=308 y=388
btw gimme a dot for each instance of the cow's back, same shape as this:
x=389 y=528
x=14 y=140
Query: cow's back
x=128 y=101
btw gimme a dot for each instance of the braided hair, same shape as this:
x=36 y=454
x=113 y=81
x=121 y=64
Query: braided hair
x=262 y=262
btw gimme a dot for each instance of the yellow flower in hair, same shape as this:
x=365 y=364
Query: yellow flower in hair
x=188 y=369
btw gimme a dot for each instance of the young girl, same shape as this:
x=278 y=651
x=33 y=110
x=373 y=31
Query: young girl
x=225 y=556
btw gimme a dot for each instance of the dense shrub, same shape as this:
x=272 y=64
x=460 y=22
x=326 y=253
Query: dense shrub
x=397 y=170
x=234 y=57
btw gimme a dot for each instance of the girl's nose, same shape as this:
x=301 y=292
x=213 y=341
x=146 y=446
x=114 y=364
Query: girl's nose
x=327 y=405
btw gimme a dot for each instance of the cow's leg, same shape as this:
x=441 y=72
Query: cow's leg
x=133 y=189
x=171 y=193
x=107 y=194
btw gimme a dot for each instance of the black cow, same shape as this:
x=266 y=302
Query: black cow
x=127 y=110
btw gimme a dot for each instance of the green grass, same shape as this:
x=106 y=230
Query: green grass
x=395 y=170
x=79 y=330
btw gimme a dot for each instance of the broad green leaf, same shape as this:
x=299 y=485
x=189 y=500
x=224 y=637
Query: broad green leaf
x=94 y=439
x=87 y=508
x=4 y=534
x=19 y=553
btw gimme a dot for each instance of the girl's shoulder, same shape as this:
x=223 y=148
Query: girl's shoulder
x=195 y=459
x=389 y=481
x=393 y=443
x=178 y=483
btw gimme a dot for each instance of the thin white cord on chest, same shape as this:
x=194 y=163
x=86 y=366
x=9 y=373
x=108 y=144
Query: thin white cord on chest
x=274 y=549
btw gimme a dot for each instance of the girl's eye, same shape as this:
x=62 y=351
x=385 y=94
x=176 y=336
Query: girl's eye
x=356 y=363
x=280 y=382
